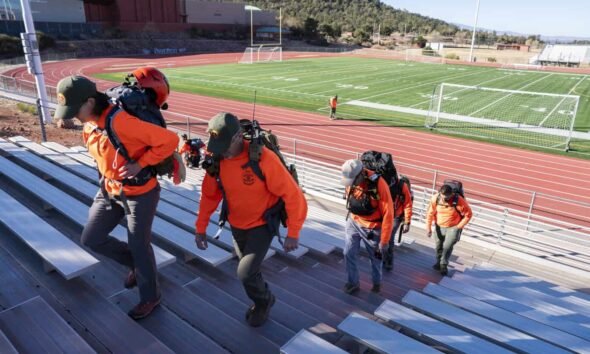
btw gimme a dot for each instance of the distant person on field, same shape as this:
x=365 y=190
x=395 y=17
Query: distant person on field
x=333 y=104
x=370 y=221
x=128 y=190
x=450 y=213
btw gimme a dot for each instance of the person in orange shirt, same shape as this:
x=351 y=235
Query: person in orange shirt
x=450 y=212
x=191 y=150
x=333 y=104
x=129 y=189
x=249 y=200
x=369 y=202
x=402 y=206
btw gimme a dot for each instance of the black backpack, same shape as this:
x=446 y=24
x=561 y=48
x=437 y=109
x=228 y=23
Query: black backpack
x=195 y=145
x=141 y=104
x=382 y=164
x=457 y=188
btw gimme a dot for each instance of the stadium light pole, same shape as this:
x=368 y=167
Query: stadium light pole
x=251 y=9
x=474 y=29
x=33 y=59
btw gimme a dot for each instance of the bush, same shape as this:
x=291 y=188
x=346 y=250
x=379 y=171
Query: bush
x=492 y=60
x=27 y=108
x=10 y=45
x=45 y=41
x=452 y=56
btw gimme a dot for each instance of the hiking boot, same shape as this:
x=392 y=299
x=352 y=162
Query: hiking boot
x=143 y=309
x=444 y=270
x=376 y=288
x=436 y=266
x=257 y=315
x=351 y=288
x=131 y=280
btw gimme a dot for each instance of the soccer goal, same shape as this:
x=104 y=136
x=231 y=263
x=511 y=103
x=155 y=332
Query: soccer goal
x=521 y=117
x=261 y=54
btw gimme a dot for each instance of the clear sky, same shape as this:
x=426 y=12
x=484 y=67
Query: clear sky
x=546 y=17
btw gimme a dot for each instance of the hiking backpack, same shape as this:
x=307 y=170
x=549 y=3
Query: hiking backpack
x=382 y=164
x=141 y=104
x=195 y=145
x=457 y=188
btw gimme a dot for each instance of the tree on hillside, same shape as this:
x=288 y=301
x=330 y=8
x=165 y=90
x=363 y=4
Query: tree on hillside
x=310 y=28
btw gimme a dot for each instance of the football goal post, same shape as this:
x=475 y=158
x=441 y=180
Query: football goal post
x=522 y=117
x=262 y=54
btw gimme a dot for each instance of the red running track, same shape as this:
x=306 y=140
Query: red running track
x=484 y=165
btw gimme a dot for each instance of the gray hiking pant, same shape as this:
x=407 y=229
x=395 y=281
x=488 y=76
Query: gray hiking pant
x=137 y=253
x=446 y=237
x=251 y=246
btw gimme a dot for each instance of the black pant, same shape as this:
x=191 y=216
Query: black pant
x=137 y=254
x=251 y=247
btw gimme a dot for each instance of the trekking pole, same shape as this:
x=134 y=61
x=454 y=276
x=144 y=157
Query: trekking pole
x=399 y=237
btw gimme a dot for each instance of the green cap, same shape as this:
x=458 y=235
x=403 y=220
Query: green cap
x=72 y=93
x=222 y=128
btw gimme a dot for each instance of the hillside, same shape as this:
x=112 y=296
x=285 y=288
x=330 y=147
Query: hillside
x=351 y=15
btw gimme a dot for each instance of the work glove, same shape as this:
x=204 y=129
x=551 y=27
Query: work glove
x=290 y=244
x=201 y=241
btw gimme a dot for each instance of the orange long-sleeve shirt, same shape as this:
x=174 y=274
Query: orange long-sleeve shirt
x=146 y=143
x=333 y=102
x=248 y=197
x=404 y=208
x=382 y=217
x=445 y=215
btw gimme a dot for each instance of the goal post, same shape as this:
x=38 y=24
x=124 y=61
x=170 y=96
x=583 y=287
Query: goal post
x=262 y=54
x=531 y=118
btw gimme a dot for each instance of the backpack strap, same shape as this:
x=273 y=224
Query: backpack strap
x=112 y=135
x=254 y=153
x=146 y=173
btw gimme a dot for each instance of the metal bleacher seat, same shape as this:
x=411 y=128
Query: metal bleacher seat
x=435 y=331
x=518 y=322
x=552 y=316
x=572 y=311
x=163 y=229
x=59 y=253
x=6 y=346
x=34 y=327
x=495 y=332
x=305 y=342
x=377 y=337
x=66 y=205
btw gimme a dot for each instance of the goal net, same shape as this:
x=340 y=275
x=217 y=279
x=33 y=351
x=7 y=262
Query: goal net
x=261 y=54
x=521 y=117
